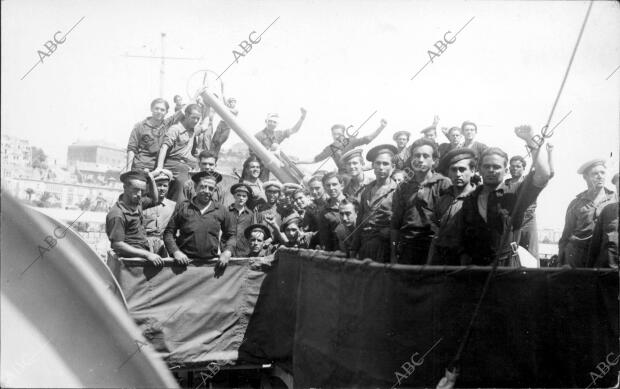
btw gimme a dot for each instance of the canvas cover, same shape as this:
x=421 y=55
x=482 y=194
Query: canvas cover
x=340 y=323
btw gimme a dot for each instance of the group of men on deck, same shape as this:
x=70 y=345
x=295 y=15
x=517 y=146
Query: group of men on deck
x=427 y=203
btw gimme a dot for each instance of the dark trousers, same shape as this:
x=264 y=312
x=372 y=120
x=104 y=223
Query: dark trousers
x=414 y=251
x=180 y=170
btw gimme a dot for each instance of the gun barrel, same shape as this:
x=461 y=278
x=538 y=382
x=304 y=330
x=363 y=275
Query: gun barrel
x=269 y=160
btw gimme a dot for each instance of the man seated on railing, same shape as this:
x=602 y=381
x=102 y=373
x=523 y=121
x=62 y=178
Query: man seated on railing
x=199 y=222
x=125 y=221
x=156 y=218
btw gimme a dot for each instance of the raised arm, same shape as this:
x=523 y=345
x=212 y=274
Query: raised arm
x=326 y=153
x=297 y=125
x=370 y=137
x=542 y=171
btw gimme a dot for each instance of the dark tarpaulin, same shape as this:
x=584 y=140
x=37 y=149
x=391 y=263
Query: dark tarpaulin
x=334 y=322
x=357 y=324
x=190 y=316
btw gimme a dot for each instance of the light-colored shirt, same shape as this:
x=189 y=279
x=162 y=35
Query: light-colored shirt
x=180 y=142
x=156 y=219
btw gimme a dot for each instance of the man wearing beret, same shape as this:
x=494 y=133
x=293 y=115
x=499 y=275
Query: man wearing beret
x=413 y=205
x=125 y=221
x=156 y=218
x=604 y=244
x=458 y=165
x=372 y=232
x=342 y=144
x=293 y=235
x=582 y=213
x=491 y=216
x=199 y=222
x=402 y=154
x=241 y=217
x=256 y=235
x=354 y=165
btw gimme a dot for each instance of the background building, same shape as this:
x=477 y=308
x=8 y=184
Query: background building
x=101 y=153
x=15 y=151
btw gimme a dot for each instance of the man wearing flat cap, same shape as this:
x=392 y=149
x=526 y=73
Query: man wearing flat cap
x=582 y=214
x=460 y=166
x=125 y=220
x=257 y=235
x=372 y=233
x=354 y=165
x=241 y=217
x=492 y=216
x=604 y=244
x=199 y=222
x=293 y=235
x=403 y=152
x=156 y=218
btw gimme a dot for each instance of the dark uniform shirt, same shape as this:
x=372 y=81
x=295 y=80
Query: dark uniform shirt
x=581 y=216
x=604 y=244
x=125 y=225
x=344 y=235
x=413 y=206
x=481 y=239
x=354 y=187
x=145 y=141
x=375 y=214
x=329 y=218
x=199 y=233
x=241 y=220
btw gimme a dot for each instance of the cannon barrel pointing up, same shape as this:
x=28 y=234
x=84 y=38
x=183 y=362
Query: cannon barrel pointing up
x=269 y=160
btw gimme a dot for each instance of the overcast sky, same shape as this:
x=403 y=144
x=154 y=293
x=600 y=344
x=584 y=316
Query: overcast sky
x=340 y=60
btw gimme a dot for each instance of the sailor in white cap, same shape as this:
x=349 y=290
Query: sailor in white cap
x=582 y=213
x=401 y=138
x=156 y=218
x=354 y=165
x=270 y=137
x=269 y=210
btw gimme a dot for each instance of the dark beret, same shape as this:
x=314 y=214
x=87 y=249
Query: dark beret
x=197 y=176
x=248 y=231
x=453 y=156
x=375 y=151
x=134 y=175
